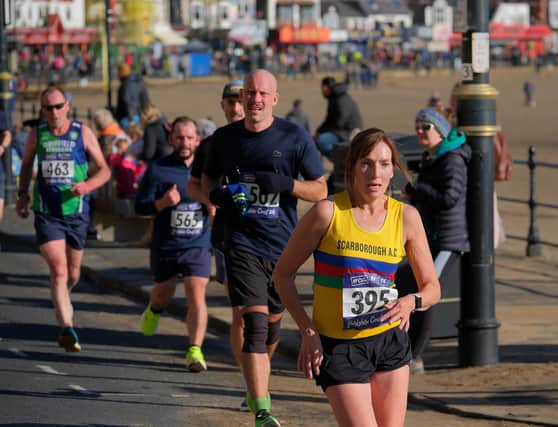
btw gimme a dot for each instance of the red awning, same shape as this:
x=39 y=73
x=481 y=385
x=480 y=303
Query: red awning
x=45 y=36
x=512 y=33
x=536 y=32
x=53 y=33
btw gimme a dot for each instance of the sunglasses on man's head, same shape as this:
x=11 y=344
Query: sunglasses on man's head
x=425 y=127
x=54 y=106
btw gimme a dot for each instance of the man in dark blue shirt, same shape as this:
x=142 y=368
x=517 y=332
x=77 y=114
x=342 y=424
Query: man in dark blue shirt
x=258 y=160
x=180 y=243
x=233 y=110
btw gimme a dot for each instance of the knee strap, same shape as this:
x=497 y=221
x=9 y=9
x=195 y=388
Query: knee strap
x=273 y=329
x=255 y=332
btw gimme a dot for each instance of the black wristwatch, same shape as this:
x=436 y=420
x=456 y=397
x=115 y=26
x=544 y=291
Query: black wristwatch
x=418 y=302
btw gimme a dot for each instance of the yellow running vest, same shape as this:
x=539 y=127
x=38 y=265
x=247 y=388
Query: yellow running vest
x=354 y=271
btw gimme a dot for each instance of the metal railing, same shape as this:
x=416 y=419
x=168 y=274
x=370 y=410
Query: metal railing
x=534 y=242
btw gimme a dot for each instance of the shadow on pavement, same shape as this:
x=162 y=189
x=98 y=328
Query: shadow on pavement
x=446 y=355
x=69 y=394
x=27 y=280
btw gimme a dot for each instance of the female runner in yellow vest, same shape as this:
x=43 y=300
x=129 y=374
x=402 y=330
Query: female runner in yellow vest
x=356 y=345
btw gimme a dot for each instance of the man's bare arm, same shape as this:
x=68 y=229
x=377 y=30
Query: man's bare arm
x=311 y=191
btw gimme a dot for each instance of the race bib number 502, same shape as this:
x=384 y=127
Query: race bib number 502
x=262 y=205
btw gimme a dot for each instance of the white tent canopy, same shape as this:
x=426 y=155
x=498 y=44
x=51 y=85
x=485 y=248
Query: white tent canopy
x=168 y=37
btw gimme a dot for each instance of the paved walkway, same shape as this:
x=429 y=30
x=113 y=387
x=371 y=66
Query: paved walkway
x=523 y=387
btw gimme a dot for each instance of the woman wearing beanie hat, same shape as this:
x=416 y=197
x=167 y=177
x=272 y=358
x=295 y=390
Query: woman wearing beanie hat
x=440 y=195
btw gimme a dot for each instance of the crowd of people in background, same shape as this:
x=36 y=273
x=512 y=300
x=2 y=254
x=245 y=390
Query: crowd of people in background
x=361 y=63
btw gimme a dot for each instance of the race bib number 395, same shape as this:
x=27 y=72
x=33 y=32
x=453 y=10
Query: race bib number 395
x=364 y=298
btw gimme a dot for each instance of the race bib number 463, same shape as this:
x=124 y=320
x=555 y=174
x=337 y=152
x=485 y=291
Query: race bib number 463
x=364 y=298
x=58 y=171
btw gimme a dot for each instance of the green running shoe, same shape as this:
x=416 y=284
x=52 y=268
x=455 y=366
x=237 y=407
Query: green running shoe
x=256 y=404
x=69 y=340
x=195 y=360
x=265 y=419
x=149 y=322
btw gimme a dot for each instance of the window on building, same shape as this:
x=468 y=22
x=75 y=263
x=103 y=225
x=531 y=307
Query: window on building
x=223 y=11
x=285 y=13
x=68 y=14
x=243 y=8
x=175 y=12
x=197 y=12
x=307 y=14
x=261 y=9
x=439 y=16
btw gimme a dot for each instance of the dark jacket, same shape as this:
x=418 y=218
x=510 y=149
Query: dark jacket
x=156 y=141
x=440 y=194
x=298 y=116
x=343 y=114
x=132 y=97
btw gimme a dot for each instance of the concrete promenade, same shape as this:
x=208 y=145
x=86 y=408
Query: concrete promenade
x=522 y=388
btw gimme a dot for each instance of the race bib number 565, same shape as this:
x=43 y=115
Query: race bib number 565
x=187 y=219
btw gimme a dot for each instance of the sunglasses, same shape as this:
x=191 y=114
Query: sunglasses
x=424 y=127
x=54 y=106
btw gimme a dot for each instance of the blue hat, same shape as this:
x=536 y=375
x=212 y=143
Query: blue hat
x=232 y=88
x=430 y=115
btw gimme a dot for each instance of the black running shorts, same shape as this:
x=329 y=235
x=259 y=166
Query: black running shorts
x=355 y=361
x=249 y=281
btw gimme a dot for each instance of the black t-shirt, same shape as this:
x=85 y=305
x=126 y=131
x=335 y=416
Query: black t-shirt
x=283 y=148
x=218 y=226
x=201 y=155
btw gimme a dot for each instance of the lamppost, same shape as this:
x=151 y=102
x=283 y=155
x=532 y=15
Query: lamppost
x=108 y=28
x=476 y=116
x=5 y=96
